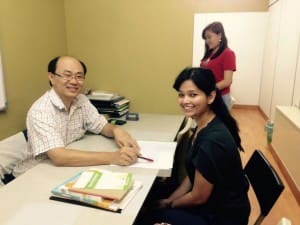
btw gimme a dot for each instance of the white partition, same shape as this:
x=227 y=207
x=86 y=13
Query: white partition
x=2 y=90
x=270 y=56
x=245 y=32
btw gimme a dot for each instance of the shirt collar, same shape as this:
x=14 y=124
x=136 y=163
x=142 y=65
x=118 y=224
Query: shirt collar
x=56 y=100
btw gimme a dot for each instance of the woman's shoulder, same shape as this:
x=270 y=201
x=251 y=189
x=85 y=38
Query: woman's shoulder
x=228 y=51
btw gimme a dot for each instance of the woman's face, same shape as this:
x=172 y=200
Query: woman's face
x=192 y=100
x=212 y=39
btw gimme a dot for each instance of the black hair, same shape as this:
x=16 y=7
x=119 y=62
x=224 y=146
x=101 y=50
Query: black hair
x=217 y=28
x=205 y=81
x=53 y=63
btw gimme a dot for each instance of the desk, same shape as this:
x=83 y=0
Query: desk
x=32 y=189
x=150 y=127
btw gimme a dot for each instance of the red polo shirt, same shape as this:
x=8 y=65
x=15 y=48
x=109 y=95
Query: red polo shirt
x=225 y=61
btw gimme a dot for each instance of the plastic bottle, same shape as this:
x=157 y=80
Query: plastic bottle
x=269 y=127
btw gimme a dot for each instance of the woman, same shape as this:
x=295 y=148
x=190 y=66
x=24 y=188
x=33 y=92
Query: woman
x=219 y=58
x=214 y=192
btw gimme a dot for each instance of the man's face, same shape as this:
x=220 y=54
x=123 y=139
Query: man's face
x=67 y=80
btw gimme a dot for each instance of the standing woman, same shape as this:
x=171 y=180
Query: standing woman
x=219 y=58
x=214 y=191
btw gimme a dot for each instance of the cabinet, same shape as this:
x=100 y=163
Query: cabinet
x=286 y=141
x=279 y=75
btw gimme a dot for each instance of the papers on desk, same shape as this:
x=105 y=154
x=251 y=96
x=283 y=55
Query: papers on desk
x=102 y=194
x=162 y=154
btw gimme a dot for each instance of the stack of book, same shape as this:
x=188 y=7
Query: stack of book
x=109 y=103
x=98 y=189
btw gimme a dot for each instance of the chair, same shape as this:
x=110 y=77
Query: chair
x=185 y=127
x=265 y=182
x=182 y=139
x=12 y=150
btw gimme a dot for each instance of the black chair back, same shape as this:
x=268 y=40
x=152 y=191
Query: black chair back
x=265 y=182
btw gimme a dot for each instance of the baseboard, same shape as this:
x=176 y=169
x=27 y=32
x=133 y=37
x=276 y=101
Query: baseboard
x=237 y=106
x=286 y=175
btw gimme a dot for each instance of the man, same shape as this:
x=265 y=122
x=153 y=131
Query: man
x=63 y=115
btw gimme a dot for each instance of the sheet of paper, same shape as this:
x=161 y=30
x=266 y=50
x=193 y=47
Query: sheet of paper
x=45 y=214
x=161 y=152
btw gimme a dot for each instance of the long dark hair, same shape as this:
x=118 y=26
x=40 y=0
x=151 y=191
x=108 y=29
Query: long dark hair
x=217 y=28
x=205 y=81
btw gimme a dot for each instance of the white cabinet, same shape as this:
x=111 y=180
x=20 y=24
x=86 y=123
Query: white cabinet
x=281 y=56
x=286 y=141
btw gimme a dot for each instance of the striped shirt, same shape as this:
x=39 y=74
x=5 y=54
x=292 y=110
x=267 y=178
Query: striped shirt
x=50 y=125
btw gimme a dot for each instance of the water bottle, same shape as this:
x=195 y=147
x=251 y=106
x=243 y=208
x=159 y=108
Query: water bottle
x=269 y=129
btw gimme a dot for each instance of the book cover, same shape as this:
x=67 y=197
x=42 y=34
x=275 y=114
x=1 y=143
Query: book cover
x=62 y=193
x=103 y=183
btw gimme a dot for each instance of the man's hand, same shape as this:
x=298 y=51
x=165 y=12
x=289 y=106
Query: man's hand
x=126 y=156
x=124 y=139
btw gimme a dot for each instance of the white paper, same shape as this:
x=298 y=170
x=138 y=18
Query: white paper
x=161 y=152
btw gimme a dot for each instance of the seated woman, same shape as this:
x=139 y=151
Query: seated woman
x=214 y=192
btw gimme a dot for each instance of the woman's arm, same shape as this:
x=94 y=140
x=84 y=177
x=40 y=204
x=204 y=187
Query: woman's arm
x=184 y=187
x=198 y=195
x=226 y=82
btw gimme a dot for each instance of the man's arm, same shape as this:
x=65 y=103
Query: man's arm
x=122 y=137
x=126 y=155
x=71 y=157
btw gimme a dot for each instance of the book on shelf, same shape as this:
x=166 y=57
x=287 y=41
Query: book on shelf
x=121 y=101
x=102 y=189
x=119 y=114
x=112 y=109
x=104 y=96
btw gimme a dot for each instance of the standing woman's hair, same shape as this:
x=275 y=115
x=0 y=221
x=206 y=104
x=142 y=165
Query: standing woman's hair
x=217 y=28
x=205 y=81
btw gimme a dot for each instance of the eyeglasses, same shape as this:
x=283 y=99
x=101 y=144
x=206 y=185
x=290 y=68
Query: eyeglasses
x=69 y=77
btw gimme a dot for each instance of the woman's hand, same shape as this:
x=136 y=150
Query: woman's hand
x=164 y=203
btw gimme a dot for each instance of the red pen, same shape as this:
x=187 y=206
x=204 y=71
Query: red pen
x=145 y=158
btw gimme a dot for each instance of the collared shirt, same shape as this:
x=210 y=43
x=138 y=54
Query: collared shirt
x=50 y=126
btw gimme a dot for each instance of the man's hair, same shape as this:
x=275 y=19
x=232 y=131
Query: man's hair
x=53 y=63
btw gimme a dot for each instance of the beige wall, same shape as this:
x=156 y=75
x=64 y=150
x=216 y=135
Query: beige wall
x=138 y=47
x=31 y=32
x=133 y=47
